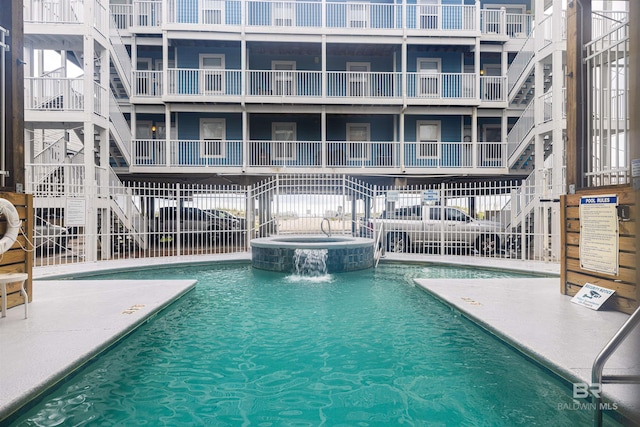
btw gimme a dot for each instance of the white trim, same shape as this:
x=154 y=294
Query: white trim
x=211 y=12
x=283 y=14
x=428 y=144
x=204 y=152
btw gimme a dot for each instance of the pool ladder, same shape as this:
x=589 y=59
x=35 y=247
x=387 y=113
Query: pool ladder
x=598 y=379
x=325 y=219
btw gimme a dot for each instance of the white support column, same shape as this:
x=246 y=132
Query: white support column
x=323 y=136
x=474 y=137
x=167 y=133
x=165 y=61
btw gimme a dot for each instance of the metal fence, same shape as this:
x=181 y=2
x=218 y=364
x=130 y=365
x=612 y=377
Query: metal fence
x=113 y=220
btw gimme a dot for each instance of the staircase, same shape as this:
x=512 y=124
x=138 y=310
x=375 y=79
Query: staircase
x=120 y=136
x=120 y=69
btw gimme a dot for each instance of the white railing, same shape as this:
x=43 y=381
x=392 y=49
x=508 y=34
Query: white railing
x=441 y=85
x=364 y=84
x=201 y=153
x=519 y=25
x=284 y=83
x=101 y=17
x=521 y=62
x=122 y=60
x=120 y=127
x=315 y=154
x=147 y=84
x=608 y=101
x=53 y=152
x=493 y=88
x=492 y=21
x=122 y=15
x=438 y=155
x=545 y=28
x=363 y=15
x=147 y=13
x=55 y=180
x=206 y=219
x=545 y=104
x=521 y=129
x=603 y=21
x=148 y=152
x=199 y=82
x=491 y=155
x=338 y=15
x=441 y=17
x=54 y=93
x=100 y=106
x=59 y=11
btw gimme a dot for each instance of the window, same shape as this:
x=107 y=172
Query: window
x=212 y=136
x=212 y=11
x=212 y=72
x=282 y=134
x=358 y=137
x=428 y=140
x=452 y=214
x=284 y=77
x=358 y=78
x=429 y=77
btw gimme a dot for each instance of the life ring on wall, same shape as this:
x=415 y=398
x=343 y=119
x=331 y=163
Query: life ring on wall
x=13 y=225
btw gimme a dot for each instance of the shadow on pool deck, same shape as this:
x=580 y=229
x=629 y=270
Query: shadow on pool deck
x=72 y=321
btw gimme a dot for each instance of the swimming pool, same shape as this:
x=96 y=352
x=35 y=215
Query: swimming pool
x=250 y=347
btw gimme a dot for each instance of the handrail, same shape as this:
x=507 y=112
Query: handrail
x=379 y=249
x=598 y=379
x=325 y=219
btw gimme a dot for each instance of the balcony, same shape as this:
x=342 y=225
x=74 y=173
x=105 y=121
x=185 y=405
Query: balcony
x=315 y=86
x=234 y=156
x=329 y=16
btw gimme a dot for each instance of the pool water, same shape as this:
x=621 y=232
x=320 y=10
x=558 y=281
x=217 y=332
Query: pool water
x=251 y=347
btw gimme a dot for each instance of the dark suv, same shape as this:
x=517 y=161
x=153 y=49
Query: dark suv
x=192 y=223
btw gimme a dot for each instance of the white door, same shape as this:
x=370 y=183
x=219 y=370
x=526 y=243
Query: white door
x=212 y=136
x=283 y=14
x=212 y=72
x=429 y=77
x=358 y=78
x=284 y=78
x=358 y=136
x=428 y=144
x=283 y=136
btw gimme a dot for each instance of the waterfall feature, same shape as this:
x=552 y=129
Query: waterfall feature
x=310 y=262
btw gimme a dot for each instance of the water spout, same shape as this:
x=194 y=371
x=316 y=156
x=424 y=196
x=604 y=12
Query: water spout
x=310 y=262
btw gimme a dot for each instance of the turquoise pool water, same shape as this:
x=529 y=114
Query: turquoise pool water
x=250 y=347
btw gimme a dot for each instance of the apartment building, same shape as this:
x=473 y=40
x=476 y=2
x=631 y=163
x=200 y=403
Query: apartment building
x=238 y=90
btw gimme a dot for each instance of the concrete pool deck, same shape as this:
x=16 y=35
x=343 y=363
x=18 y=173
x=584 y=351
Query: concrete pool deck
x=72 y=321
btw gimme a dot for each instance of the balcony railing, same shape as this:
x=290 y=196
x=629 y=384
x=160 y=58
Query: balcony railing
x=441 y=85
x=58 y=11
x=493 y=88
x=309 y=84
x=521 y=129
x=44 y=93
x=200 y=82
x=147 y=83
x=316 y=154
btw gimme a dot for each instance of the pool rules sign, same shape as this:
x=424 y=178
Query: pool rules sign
x=599 y=234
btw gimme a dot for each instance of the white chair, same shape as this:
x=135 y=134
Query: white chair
x=6 y=278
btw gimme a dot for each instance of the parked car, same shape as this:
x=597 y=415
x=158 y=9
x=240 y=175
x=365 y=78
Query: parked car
x=49 y=237
x=231 y=221
x=191 y=223
x=418 y=227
